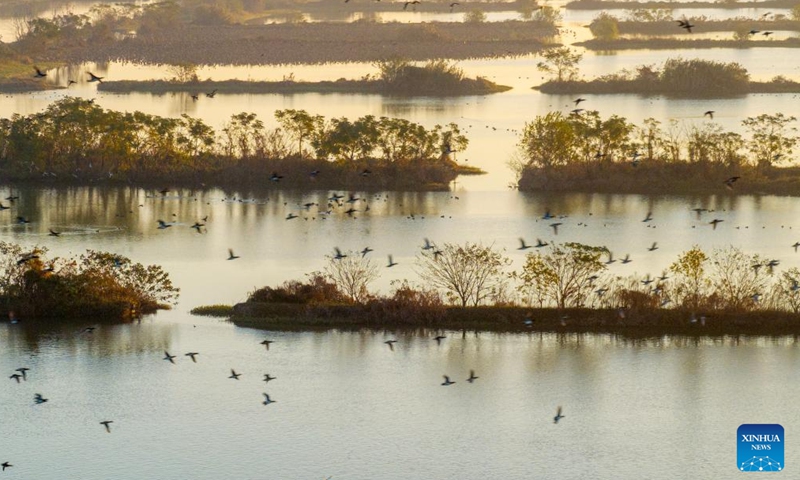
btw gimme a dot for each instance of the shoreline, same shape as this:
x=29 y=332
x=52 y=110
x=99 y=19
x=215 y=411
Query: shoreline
x=650 y=322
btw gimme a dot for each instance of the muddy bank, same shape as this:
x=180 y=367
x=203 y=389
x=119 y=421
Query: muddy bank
x=317 y=43
x=651 y=322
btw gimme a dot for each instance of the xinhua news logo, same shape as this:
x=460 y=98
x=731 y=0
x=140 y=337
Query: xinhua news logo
x=760 y=448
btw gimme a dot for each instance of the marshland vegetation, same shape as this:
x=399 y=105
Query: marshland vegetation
x=585 y=152
x=97 y=285
x=561 y=287
x=76 y=141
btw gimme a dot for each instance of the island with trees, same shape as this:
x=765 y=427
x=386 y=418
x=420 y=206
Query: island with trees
x=566 y=287
x=75 y=141
x=582 y=151
x=97 y=285
x=397 y=77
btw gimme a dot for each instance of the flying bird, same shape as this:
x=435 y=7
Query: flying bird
x=39 y=399
x=709 y=114
x=558 y=415
x=106 y=424
x=6 y=465
x=439 y=339
x=95 y=78
x=390 y=343
x=365 y=251
x=268 y=400
x=54 y=233
x=653 y=247
x=234 y=375
x=685 y=25
x=523 y=245
x=169 y=357
x=39 y=73
x=339 y=255
x=730 y=181
x=162 y=225
x=555 y=227
x=266 y=343
x=447 y=381
x=391 y=263
x=714 y=223
x=267 y=377
x=472 y=376
x=231 y=256
x=192 y=355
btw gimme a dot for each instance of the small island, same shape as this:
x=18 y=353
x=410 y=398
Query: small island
x=562 y=288
x=97 y=285
x=678 y=77
x=396 y=77
x=75 y=141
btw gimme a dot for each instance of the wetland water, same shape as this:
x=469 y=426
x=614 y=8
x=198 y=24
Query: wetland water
x=346 y=406
x=349 y=408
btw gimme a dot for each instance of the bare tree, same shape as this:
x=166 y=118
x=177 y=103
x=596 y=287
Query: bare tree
x=469 y=274
x=352 y=274
x=565 y=275
x=739 y=280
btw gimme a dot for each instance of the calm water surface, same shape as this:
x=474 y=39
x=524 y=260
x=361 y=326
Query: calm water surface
x=347 y=407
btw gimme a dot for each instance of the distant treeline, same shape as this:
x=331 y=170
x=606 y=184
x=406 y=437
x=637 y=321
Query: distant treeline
x=678 y=77
x=74 y=140
x=584 y=152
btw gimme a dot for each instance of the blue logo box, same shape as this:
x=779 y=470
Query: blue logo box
x=760 y=448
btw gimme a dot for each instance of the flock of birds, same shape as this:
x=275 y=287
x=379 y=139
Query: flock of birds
x=688 y=26
x=21 y=374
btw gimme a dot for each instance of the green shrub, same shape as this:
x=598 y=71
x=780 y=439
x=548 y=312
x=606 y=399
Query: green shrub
x=605 y=27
